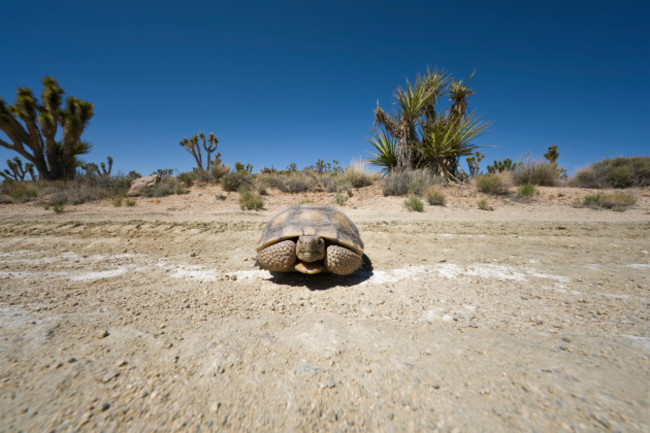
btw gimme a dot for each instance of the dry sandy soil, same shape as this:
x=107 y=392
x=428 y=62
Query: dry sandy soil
x=532 y=317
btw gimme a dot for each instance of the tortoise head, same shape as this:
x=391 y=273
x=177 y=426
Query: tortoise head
x=310 y=248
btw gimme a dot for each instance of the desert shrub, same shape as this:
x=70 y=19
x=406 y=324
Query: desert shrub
x=129 y=202
x=166 y=186
x=237 y=180
x=614 y=173
x=340 y=199
x=413 y=203
x=218 y=171
x=492 y=183
x=617 y=201
x=356 y=177
x=187 y=178
x=543 y=173
x=59 y=207
x=435 y=196
x=250 y=200
x=117 y=200
x=408 y=182
x=297 y=184
x=527 y=190
x=483 y=205
x=21 y=192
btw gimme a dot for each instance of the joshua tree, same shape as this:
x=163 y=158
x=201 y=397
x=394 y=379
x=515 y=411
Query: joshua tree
x=426 y=139
x=34 y=138
x=17 y=170
x=92 y=168
x=193 y=147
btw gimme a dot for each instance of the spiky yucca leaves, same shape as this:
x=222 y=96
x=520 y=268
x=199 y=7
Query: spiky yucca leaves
x=414 y=102
x=385 y=156
x=459 y=93
x=34 y=138
x=446 y=139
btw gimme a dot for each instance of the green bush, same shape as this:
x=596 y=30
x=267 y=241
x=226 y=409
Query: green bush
x=187 y=178
x=408 y=182
x=527 y=190
x=117 y=201
x=614 y=173
x=542 y=173
x=237 y=180
x=435 y=196
x=250 y=200
x=617 y=200
x=492 y=183
x=413 y=203
x=59 y=207
x=129 y=202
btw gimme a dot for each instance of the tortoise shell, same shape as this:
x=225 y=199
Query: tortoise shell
x=312 y=219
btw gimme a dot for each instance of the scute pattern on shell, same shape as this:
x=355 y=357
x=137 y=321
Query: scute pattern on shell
x=312 y=219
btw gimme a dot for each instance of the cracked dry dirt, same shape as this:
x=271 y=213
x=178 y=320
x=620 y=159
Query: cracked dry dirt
x=155 y=318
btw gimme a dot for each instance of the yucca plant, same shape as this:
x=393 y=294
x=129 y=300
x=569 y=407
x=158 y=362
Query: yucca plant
x=414 y=102
x=447 y=139
x=385 y=156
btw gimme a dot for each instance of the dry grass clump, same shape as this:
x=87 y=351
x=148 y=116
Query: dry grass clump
x=408 y=182
x=435 y=196
x=493 y=183
x=542 y=173
x=356 y=177
x=614 y=173
x=618 y=201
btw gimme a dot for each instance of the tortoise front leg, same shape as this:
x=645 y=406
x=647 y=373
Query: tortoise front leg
x=341 y=261
x=279 y=257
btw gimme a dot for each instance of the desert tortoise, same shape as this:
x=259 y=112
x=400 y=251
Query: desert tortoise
x=310 y=238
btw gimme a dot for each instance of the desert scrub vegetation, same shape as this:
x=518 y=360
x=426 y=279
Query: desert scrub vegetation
x=618 y=201
x=250 y=200
x=413 y=203
x=526 y=190
x=315 y=178
x=542 y=173
x=493 y=183
x=84 y=188
x=614 y=173
x=483 y=205
x=167 y=186
x=435 y=196
x=408 y=182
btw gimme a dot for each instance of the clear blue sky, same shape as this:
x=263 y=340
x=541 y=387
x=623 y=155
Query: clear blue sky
x=295 y=81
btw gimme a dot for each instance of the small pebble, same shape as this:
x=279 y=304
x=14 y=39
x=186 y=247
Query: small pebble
x=105 y=333
x=105 y=406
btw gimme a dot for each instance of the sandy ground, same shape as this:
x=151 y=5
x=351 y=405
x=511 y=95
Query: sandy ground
x=532 y=317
